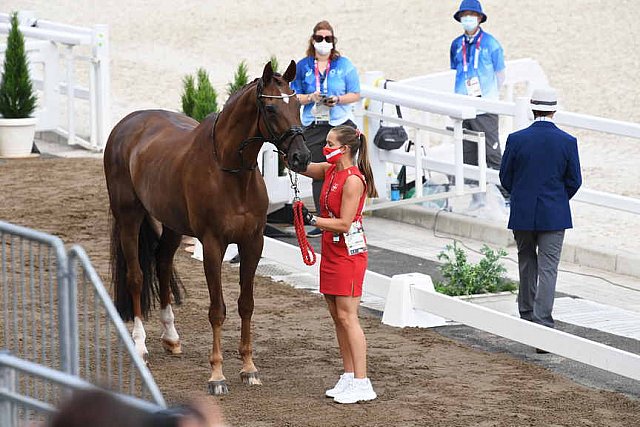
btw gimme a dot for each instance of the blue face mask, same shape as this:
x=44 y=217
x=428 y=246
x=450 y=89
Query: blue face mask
x=469 y=23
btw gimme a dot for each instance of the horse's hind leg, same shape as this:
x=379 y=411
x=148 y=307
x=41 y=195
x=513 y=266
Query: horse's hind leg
x=250 y=252
x=129 y=224
x=167 y=247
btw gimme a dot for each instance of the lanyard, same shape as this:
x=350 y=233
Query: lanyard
x=464 y=53
x=326 y=76
x=326 y=197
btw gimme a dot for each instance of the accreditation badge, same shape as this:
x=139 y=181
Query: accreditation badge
x=320 y=112
x=473 y=86
x=354 y=239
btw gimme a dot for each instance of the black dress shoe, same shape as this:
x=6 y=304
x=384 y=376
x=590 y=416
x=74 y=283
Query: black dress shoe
x=541 y=351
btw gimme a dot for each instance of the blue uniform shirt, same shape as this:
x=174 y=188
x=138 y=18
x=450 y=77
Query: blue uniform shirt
x=490 y=61
x=343 y=78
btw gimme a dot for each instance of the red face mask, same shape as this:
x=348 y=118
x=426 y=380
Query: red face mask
x=332 y=154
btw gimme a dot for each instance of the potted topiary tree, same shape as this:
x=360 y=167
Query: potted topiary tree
x=17 y=98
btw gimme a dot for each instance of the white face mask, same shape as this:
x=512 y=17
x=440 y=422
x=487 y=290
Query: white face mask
x=469 y=23
x=323 y=48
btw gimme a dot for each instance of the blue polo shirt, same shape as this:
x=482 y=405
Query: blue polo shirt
x=490 y=61
x=343 y=78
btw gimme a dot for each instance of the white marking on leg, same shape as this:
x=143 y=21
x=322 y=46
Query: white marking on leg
x=139 y=336
x=167 y=318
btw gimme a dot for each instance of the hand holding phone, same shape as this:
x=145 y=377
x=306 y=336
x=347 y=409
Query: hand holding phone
x=330 y=101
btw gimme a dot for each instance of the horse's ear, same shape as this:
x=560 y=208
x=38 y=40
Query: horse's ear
x=267 y=73
x=290 y=74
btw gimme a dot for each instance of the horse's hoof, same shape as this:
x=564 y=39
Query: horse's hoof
x=172 y=347
x=250 y=378
x=218 y=388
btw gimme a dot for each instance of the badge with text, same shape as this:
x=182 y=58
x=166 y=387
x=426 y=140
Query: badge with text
x=320 y=112
x=354 y=239
x=473 y=87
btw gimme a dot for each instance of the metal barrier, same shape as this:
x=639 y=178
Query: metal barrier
x=18 y=409
x=57 y=313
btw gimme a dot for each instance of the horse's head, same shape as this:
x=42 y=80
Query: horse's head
x=280 y=116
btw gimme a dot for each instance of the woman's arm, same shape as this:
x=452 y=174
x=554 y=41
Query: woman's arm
x=316 y=170
x=347 y=98
x=351 y=193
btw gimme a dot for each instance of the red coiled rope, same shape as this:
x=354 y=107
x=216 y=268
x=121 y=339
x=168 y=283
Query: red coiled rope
x=308 y=254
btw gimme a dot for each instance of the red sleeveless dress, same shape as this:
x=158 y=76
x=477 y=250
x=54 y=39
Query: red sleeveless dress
x=340 y=273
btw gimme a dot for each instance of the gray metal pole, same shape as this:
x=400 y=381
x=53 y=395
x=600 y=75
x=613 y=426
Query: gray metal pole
x=8 y=408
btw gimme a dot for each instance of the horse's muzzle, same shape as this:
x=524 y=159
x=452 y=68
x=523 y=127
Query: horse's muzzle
x=299 y=161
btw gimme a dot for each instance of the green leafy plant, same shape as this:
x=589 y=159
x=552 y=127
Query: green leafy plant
x=199 y=99
x=17 y=97
x=464 y=278
x=240 y=78
x=274 y=63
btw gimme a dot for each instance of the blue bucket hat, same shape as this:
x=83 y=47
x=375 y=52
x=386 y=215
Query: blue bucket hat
x=473 y=6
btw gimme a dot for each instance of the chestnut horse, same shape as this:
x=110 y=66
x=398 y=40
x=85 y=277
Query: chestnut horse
x=169 y=176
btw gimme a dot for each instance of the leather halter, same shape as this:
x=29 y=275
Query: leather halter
x=276 y=140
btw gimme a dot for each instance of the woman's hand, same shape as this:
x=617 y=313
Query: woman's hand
x=331 y=101
x=315 y=96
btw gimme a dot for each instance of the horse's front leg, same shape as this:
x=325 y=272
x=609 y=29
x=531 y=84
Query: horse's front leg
x=250 y=252
x=169 y=244
x=213 y=251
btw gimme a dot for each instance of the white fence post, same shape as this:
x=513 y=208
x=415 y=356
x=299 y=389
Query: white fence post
x=457 y=142
x=100 y=42
x=399 y=309
x=521 y=119
x=71 y=91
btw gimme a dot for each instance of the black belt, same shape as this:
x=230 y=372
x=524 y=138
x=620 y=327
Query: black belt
x=320 y=122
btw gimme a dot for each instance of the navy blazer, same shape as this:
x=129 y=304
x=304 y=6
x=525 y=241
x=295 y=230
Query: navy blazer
x=541 y=169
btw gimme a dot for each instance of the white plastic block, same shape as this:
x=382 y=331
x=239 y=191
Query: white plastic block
x=232 y=250
x=399 y=310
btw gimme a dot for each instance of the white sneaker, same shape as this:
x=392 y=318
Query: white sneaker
x=342 y=384
x=360 y=390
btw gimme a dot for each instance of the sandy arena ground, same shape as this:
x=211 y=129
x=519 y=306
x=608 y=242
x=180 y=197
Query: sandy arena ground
x=422 y=378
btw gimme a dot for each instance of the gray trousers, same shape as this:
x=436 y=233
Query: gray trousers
x=487 y=123
x=538 y=259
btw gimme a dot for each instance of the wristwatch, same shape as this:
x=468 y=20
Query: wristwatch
x=313 y=220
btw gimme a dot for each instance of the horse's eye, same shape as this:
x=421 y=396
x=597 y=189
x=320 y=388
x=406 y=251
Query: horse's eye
x=271 y=108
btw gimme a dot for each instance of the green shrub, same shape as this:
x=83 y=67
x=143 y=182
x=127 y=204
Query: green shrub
x=464 y=278
x=198 y=100
x=17 y=98
x=274 y=63
x=240 y=78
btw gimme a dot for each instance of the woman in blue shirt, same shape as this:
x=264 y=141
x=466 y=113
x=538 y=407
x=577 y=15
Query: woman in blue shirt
x=326 y=84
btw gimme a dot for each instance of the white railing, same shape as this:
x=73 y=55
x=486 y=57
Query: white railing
x=433 y=88
x=51 y=45
x=368 y=119
x=428 y=94
x=421 y=297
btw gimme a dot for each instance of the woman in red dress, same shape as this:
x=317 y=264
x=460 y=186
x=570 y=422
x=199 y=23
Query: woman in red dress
x=348 y=181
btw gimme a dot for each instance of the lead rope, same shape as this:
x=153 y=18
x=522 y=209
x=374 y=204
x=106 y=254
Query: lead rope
x=308 y=254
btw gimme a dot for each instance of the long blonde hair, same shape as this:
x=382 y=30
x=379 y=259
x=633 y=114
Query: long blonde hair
x=357 y=143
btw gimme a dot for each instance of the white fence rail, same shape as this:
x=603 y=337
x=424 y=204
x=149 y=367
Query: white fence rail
x=527 y=71
x=52 y=47
x=390 y=289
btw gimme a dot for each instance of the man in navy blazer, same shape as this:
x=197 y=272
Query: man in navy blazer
x=541 y=170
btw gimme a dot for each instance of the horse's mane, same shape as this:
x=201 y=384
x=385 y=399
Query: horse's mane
x=237 y=94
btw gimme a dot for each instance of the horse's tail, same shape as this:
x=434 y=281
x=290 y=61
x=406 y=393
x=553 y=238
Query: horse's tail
x=147 y=245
